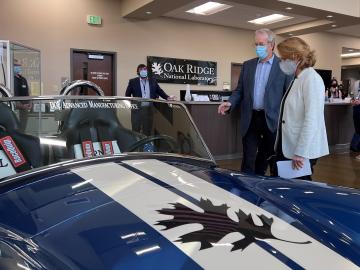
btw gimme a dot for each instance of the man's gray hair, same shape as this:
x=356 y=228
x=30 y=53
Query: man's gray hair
x=270 y=34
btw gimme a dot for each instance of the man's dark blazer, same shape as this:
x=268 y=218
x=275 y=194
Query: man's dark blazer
x=243 y=95
x=134 y=89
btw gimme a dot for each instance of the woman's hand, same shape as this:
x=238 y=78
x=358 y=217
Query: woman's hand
x=297 y=162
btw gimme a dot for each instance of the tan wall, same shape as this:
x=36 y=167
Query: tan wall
x=56 y=26
x=351 y=61
x=328 y=48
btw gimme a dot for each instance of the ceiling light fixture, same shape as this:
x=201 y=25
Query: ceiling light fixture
x=274 y=18
x=333 y=25
x=148 y=12
x=350 y=50
x=349 y=55
x=290 y=34
x=329 y=16
x=289 y=8
x=209 y=8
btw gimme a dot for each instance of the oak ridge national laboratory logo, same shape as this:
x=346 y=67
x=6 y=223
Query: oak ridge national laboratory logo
x=174 y=70
x=217 y=224
x=157 y=69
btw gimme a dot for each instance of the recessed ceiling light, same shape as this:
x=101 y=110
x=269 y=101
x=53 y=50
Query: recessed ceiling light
x=274 y=18
x=148 y=12
x=290 y=34
x=289 y=8
x=350 y=50
x=329 y=16
x=333 y=25
x=209 y=8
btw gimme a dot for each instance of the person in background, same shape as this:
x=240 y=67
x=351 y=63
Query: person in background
x=144 y=87
x=356 y=118
x=301 y=134
x=259 y=92
x=21 y=89
x=342 y=91
x=334 y=91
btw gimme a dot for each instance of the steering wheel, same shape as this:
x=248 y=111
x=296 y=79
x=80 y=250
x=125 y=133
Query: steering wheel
x=67 y=89
x=5 y=91
x=168 y=139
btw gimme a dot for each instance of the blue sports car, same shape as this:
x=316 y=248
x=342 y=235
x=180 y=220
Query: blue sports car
x=101 y=183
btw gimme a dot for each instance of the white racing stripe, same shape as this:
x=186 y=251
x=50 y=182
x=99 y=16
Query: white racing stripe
x=144 y=197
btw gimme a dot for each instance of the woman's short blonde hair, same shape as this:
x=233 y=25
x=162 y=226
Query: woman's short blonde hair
x=296 y=48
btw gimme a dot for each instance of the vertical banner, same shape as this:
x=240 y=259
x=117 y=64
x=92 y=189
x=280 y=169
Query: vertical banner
x=182 y=71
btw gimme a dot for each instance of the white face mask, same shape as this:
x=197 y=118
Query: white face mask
x=288 y=66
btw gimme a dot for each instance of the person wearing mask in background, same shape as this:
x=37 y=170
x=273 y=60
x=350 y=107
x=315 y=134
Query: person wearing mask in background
x=144 y=87
x=301 y=134
x=21 y=89
x=334 y=91
x=259 y=92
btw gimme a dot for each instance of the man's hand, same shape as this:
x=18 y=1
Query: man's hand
x=171 y=98
x=224 y=107
x=355 y=102
x=297 y=162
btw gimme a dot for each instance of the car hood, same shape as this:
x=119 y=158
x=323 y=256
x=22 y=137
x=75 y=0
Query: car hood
x=147 y=213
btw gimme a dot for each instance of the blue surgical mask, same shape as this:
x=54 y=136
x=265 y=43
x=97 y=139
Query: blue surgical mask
x=288 y=66
x=261 y=51
x=143 y=73
x=17 y=69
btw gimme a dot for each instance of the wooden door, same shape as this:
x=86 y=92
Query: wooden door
x=94 y=66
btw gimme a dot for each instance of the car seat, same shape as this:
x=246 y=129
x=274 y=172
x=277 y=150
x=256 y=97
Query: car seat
x=18 y=150
x=93 y=132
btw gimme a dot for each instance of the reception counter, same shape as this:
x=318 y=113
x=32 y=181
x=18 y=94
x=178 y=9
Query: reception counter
x=339 y=124
x=222 y=133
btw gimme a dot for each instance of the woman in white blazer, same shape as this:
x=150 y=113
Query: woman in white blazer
x=301 y=131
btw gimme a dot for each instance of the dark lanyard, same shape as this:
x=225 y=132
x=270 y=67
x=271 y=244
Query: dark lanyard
x=143 y=86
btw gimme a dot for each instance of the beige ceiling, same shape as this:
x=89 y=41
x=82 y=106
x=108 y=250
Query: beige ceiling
x=307 y=19
x=353 y=30
x=237 y=16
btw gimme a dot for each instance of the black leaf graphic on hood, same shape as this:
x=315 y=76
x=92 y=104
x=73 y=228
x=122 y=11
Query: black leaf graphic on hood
x=216 y=224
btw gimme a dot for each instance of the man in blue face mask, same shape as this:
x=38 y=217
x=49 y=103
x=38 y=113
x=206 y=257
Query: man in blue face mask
x=259 y=92
x=21 y=88
x=145 y=87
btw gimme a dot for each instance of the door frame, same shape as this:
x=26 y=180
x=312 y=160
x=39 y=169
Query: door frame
x=231 y=66
x=114 y=69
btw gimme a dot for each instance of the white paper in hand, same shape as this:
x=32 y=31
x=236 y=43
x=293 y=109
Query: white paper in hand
x=285 y=169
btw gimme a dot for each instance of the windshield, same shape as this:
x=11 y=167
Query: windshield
x=42 y=131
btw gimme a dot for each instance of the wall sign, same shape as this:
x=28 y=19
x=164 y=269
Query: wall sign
x=182 y=71
x=93 y=20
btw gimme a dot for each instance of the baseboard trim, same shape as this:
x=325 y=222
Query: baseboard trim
x=230 y=156
x=344 y=147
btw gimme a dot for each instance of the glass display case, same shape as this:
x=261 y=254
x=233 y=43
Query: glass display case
x=20 y=69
